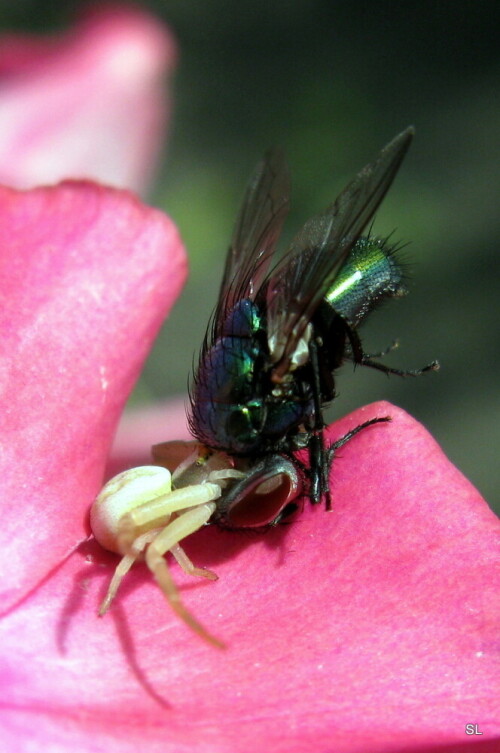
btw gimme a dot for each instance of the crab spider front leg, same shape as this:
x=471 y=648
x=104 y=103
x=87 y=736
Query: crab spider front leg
x=187 y=523
x=156 y=512
x=137 y=510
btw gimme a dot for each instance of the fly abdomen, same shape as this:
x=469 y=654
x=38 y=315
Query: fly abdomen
x=370 y=273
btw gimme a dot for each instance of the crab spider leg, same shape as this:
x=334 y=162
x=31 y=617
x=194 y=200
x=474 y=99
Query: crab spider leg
x=183 y=560
x=123 y=567
x=224 y=475
x=157 y=511
x=178 y=529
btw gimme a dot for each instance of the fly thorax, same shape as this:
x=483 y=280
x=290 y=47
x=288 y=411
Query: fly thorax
x=227 y=411
x=243 y=425
x=244 y=320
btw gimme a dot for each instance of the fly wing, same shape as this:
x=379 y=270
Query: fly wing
x=302 y=278
x=256 y=232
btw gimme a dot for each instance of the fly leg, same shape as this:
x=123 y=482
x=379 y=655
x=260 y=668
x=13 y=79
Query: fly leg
x=433 y=366
x=363 y=359
x=393 y=346
x=318 y=456
x=352 y=433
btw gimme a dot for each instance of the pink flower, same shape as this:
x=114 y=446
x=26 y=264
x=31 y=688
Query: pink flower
x=371 y=628
x=90 y=104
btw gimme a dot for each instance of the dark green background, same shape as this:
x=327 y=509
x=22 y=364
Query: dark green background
x=333 y=82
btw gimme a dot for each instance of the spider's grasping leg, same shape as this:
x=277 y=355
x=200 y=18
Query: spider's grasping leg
x=169 y=537
x=156 y=512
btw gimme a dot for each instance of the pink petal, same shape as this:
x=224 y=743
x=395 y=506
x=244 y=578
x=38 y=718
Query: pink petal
x=140 y=428
x=90 y=104
x=87 y=275
x=371 y=628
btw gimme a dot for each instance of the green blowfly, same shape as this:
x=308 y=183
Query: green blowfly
x=282 y=328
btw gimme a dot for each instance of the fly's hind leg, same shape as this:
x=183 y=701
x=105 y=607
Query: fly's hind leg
x=359 y=357
x=393 y=346
x=366 y=361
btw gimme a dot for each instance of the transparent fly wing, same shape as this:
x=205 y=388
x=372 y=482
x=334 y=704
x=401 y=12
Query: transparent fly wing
x=256 y=232
x=301 y=279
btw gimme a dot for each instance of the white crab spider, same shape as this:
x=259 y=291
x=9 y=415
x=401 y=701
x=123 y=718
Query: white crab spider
x=138 y=514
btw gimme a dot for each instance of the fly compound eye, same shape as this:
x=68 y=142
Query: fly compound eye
x=261 y=496
x=263 y=502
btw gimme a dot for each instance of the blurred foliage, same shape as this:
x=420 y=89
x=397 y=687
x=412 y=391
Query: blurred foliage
x=333 y=81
